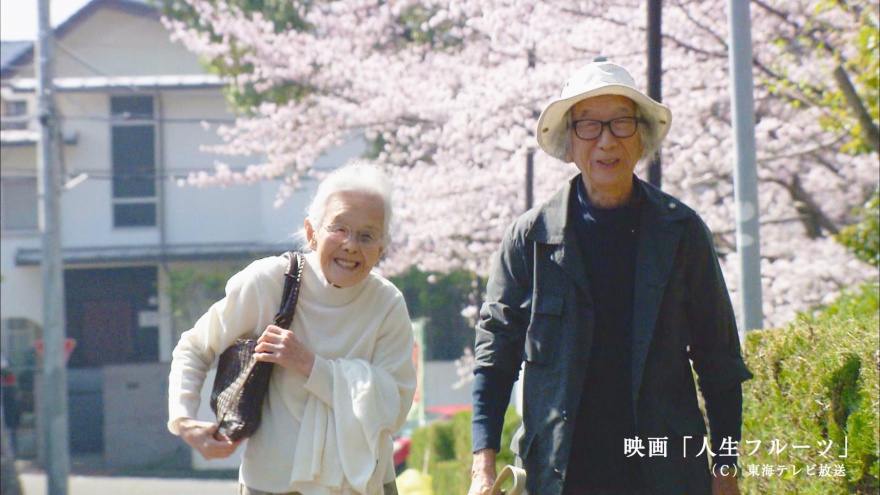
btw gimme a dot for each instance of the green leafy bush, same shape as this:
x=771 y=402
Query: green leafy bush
x=864 y=301
x=431 y=444
x=511 y=424
x=863 y=237
x=445 y=447
x=815 y=395
x=449 y=456
x=810 y=415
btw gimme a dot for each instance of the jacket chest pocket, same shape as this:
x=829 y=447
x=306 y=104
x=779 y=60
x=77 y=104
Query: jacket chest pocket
x=545 y=328
x=548 y=301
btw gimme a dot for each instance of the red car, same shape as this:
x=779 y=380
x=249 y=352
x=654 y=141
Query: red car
x=403 y=438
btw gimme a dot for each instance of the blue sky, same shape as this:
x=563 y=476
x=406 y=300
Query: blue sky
x=18 y=18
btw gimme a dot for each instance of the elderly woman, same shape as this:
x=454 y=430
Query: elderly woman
x=605 y=293
x=343 y=379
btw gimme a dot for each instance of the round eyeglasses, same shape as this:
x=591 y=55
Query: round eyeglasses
x=621 y=127
x=367 y=238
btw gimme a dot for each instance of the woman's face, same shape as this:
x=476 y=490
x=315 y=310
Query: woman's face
x=346 y=262
x=607 y=162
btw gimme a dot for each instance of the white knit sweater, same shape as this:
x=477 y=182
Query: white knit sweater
x=329 y=433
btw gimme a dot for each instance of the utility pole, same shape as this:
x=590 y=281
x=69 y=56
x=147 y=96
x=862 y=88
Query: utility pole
x=530 y=152
x=54 y=394
x=745 y=175
x=530 y=178
x=655 y=74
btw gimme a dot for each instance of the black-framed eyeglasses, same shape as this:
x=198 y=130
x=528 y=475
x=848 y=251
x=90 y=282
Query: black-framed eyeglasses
x=367 y=238
x=621 y=127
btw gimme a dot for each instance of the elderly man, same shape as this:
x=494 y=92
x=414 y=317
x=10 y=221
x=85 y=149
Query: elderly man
x=605 y=294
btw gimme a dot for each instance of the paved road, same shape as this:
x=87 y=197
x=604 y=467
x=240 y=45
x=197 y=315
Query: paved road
x=35 y=484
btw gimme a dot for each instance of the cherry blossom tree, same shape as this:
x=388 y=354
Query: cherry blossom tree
x=449 y=93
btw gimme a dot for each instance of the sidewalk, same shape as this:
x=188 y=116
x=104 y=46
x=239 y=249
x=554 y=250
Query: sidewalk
x=89 y=476
x=35 y=484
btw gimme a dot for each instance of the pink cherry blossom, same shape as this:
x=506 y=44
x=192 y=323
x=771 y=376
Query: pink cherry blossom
x=457 y=118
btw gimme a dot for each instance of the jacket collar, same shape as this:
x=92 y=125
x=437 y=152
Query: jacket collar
x=552 y=216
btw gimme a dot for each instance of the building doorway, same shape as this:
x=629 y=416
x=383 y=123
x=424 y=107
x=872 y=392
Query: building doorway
x=113 y=315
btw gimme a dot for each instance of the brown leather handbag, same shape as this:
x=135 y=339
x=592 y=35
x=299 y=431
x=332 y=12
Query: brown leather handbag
x=242 y=383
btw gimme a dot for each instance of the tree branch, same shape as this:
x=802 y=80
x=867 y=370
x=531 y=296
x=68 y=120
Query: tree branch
x=814 y=219
x=870 y=131
x=811 y=152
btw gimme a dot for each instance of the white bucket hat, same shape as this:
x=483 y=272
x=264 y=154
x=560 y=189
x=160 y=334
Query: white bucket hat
x=595 y=79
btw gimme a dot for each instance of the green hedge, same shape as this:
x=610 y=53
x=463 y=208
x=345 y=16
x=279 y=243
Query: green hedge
x=816 y=382
x=448 y=447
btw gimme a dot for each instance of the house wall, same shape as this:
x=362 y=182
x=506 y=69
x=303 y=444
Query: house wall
x=111 y=42
x=236 y=213
x=21 y=291
x=19 y=160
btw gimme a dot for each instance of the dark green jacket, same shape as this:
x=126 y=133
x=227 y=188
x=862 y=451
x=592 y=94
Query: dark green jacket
x=539 y=312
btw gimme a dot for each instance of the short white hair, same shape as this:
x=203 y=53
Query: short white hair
x=362 y=177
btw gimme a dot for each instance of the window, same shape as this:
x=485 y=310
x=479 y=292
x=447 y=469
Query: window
x=132 y=107
x=15 y=115
x=18 y=339
x=134 y=214
x=19 y=211
x=134 y=162
x=133 y=135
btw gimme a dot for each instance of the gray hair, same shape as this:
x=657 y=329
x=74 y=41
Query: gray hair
x=355 y=177
x=648 y=135
x=560 y=142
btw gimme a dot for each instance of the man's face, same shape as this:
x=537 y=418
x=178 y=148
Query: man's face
x=606 y=162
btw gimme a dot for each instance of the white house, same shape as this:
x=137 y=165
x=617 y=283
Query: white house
x=131 y=106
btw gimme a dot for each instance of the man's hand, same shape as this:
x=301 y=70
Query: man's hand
x=725 y=485
x=483 y=472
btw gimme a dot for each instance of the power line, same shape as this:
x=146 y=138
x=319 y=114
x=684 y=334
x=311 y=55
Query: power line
x=122 y=120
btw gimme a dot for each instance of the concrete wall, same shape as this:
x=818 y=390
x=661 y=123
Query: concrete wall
x=205 y=414
x=135 y=414
x=439 y=379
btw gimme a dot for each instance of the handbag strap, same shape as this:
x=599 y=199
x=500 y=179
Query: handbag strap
x=291 y=290
x=519 y=481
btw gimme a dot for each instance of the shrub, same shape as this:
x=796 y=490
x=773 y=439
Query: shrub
x=815 y=395
x=511 y=424
x=864 y=301
x=449 y=447
x=449 y=477
x=863 y=237
x=432 y=444
x=816 y=385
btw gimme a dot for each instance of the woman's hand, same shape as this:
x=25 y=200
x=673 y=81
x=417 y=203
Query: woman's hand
x=200 y=436
x=483 y=472
x=281 y=347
